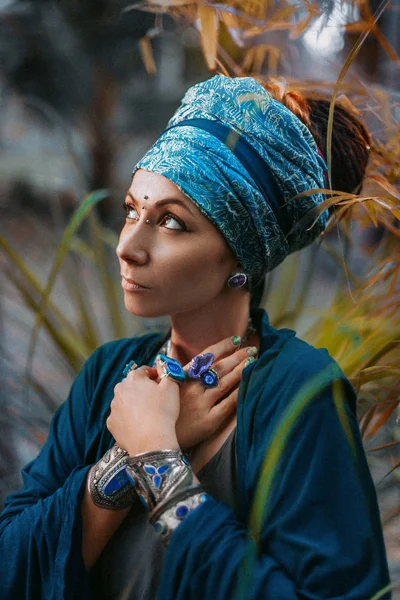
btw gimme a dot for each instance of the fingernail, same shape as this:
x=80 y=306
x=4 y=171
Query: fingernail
x=236 y=339
x=249 y=361
x=252 y=351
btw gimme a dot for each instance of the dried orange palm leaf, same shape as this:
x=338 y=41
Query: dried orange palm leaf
x=369 y=207
x=384 y=183
x=281 y=19
x=396 y=466
x=260 y=54
x=285 y=12
x=301 y=26
x=338 y=215
x=274 y=56
x=256 y=8
x=388 y=516
x=248 y=59
x=208 y=25
x=146 y=52
x=229 y=19
x=376 y=372
x=383 y=417
x=386 y=45
x=366 y=420
x=168 y=3
x=255 y=32
x=357 y=27
x=232 y=25
x=384 y=446
x=348 y=104
x=388 y=204
x=221 y=69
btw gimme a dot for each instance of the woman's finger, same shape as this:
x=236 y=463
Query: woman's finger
x=159 y=369
x=233 y=377
x=226 y=365
x=143 y=372
x=223 y=409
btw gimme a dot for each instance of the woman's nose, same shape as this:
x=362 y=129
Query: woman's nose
x=133 y=244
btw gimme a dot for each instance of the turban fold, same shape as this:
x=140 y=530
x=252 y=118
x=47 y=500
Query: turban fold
x=241 y=157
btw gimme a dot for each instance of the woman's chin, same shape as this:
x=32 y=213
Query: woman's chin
x=139 y=310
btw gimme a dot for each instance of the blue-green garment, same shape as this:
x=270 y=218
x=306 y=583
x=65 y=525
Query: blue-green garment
x=321 y=537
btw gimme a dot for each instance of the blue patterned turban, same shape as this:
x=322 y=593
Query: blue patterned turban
x=241 y=157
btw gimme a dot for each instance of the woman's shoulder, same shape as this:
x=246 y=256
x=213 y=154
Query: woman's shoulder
x=303 y=359
x=284 y=352
x=293 y=366
x=297 y=379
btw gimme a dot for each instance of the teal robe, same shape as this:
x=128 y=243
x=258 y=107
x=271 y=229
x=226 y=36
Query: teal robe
x=321 y=537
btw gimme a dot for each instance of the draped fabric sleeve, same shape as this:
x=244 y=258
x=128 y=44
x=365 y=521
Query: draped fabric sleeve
x=40 y=527
x=321 y=536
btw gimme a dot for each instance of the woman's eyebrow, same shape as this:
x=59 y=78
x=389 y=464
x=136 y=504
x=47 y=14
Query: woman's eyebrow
x=161 y=203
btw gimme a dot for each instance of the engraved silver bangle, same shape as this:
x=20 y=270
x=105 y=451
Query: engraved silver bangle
x=108 y=483
x=169 y=514
x=158 y=474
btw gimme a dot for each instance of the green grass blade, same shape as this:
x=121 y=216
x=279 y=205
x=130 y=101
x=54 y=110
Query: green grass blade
x=89 y=332
x=385 y=590
x=30 y=280
x=70 y=346
x=106 y=280
x=278 y=444
x=78 y=217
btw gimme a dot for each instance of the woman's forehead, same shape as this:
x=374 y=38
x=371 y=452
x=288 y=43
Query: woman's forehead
x=155 y=186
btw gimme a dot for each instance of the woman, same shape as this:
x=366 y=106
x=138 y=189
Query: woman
x=211 y=208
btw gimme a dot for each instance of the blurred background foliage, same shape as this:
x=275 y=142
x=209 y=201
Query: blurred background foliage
x=85 y=87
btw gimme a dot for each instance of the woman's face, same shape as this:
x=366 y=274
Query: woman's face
x=176 y=263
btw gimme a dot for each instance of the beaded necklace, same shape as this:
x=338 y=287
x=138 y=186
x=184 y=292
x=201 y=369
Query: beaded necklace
x=166 y=347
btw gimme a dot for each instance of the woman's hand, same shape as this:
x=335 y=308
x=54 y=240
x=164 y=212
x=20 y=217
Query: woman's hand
x=144 y=413
x=204 y=411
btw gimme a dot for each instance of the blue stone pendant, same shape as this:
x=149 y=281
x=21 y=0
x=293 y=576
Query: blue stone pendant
x=172 y=367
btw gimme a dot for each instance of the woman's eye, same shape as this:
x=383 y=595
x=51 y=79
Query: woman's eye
x=131 y=213
x=171 y=222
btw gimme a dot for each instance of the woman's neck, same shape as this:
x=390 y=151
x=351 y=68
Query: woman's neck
x=192 y=332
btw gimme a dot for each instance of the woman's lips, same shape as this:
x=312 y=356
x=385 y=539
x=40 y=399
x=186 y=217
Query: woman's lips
x=131 y=286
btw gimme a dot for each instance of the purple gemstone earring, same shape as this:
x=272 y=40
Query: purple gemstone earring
x=237 y=280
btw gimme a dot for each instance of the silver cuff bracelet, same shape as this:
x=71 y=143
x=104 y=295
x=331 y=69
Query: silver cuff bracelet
x=108 y=483
x=168 y=515
x=156 y=475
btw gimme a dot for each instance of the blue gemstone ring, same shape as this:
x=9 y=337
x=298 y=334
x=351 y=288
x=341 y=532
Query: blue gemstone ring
x=200 y=364
x=131 y=366
x=172 y=368
x=209 y=378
